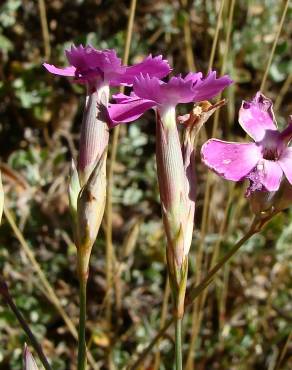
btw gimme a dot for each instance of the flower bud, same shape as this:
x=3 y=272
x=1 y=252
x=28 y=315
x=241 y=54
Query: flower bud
x=283 y=197
x=193 y=123
x=261 y=201
x=1 y=198
x=177 y=185
x=29 y=362
x=90 y=210
x=177 y=210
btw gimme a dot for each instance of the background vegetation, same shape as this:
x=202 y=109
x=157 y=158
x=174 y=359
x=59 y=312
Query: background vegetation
x=246 y=316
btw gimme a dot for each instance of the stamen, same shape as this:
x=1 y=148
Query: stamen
x=255 y=178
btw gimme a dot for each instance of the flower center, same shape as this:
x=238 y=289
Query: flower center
x=271 y=154
x=272 y=146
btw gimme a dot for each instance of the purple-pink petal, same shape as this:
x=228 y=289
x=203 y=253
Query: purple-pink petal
x=208 y=87
x=177 y=90
x=153 y=66
x=120 y=98
x=67 y=71
x=286 y=163
x=128 y=110
x=233 y=161
x=146 y=87
x=256 y=117
x=194 y=77
x=86 y=58
x=271 y=175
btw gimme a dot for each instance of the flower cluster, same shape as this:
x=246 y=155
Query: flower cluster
x=98 y=70
x=264 y=162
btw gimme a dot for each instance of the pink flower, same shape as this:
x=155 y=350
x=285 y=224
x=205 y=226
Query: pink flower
x=100 y=69
x=149 y=92
x=262 y=162
x=89 y=64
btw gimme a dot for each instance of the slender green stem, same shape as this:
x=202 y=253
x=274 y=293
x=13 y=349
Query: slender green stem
x=82 y=321
x=162 y=321
x=195 y=291
x=48 y=289
x=178 y=349
x=32 y=339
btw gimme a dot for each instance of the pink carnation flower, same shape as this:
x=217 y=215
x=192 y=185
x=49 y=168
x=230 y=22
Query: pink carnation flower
x=88 y=63
x=99 y=70
x=149 y=92
x=263 y=162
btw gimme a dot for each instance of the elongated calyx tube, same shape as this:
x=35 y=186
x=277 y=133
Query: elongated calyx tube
x=177 y=186
x=177 y=206
x=87 y=188
x=94 y=135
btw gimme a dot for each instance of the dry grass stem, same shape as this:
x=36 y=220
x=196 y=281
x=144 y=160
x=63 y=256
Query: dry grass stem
x=264 y=80
x=45 y=28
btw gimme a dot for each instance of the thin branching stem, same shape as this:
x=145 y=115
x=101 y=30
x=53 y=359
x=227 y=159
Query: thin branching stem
x=197 y=311
x=196 y=290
